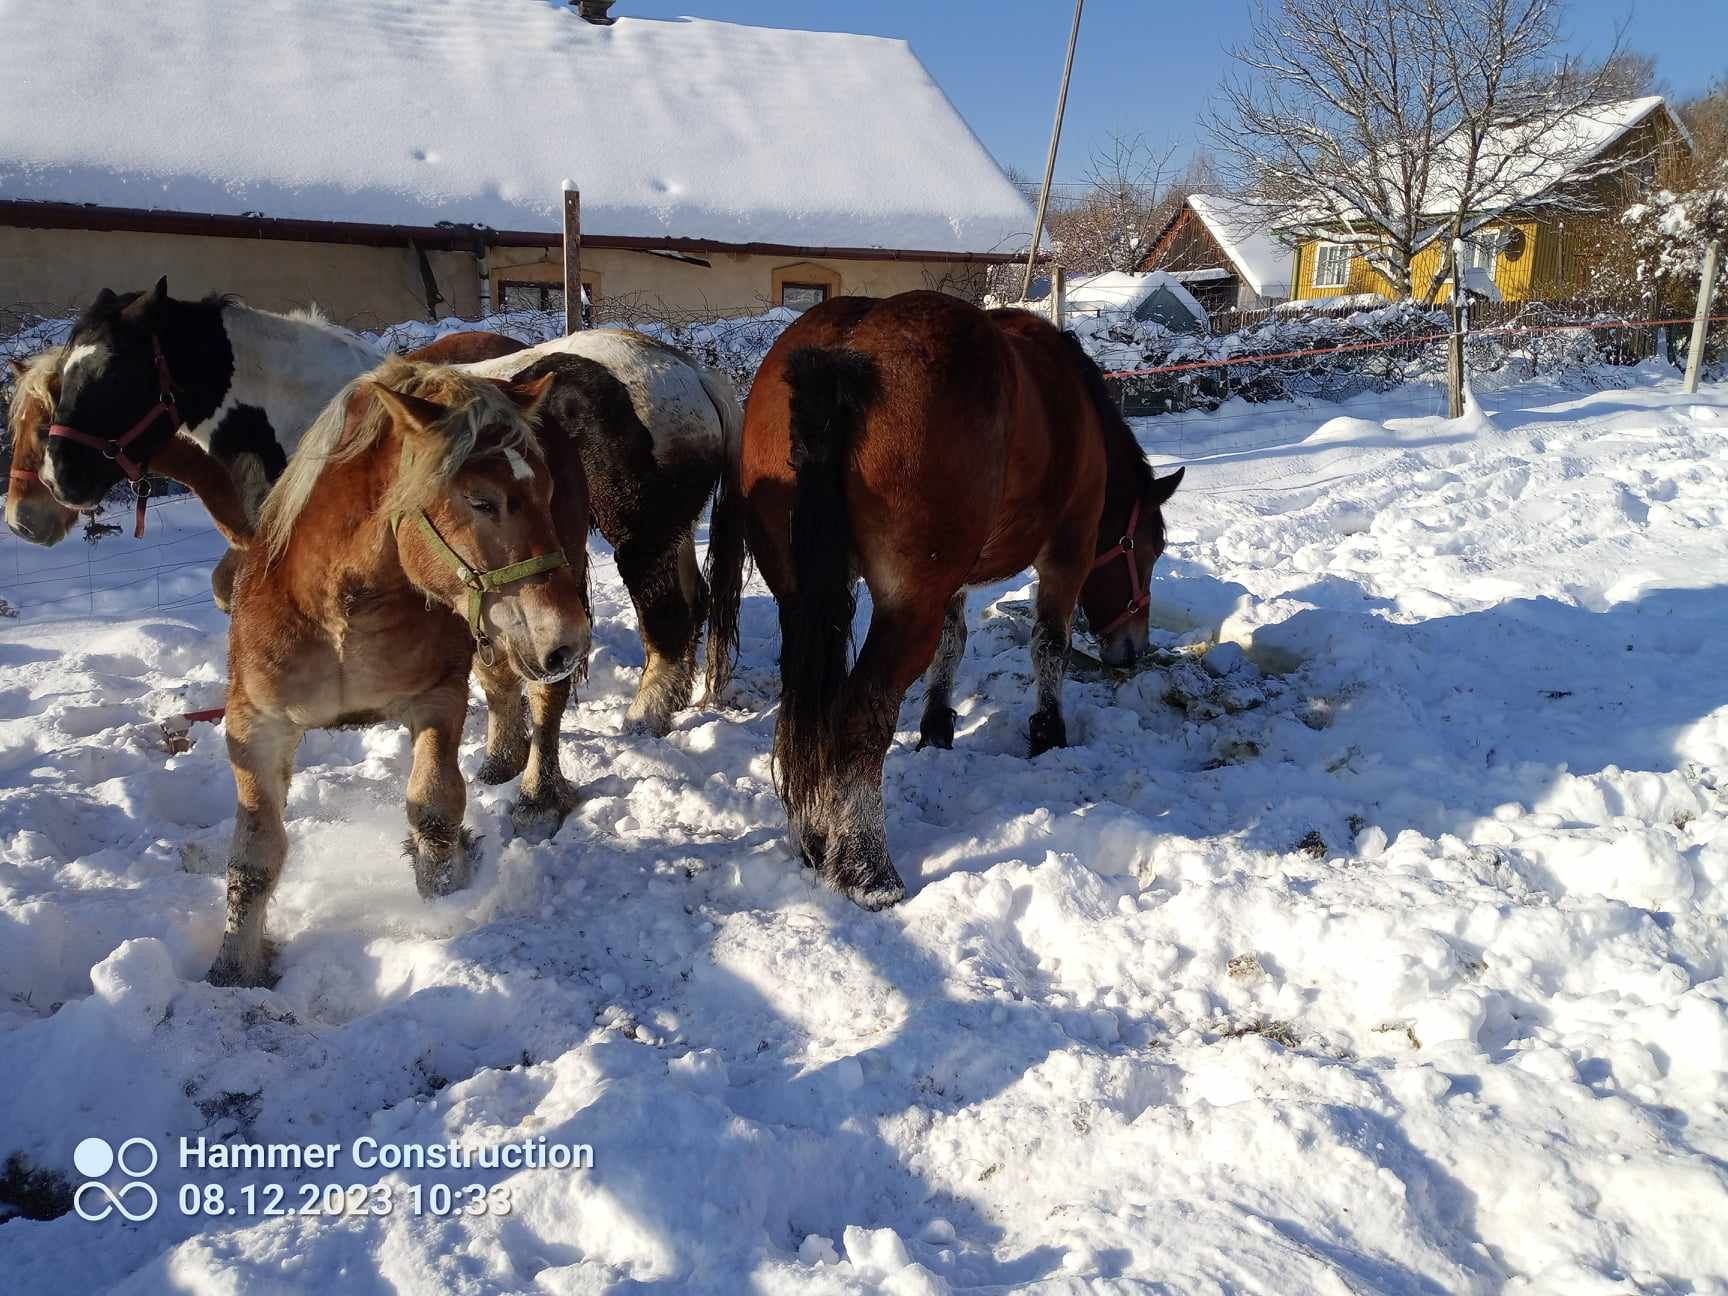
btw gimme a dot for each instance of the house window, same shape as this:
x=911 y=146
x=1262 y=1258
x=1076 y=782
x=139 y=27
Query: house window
x=514 y=295
x=802 y=296
x=803 y=284
x=542 y=294
x=1331 y=265
x=1480 y=253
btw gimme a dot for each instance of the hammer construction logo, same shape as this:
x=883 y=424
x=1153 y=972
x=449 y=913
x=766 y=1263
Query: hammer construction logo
x=95 y=1200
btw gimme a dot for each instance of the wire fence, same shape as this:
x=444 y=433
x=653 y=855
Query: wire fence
x=1190 y=394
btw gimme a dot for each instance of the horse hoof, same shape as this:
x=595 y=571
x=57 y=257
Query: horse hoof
x=867 y=879
x=937 y=729
x=545 y=814
x=1048 y=731
x=500 y=768
x=258 y=973
x=439 y=871
x=650 y=724
x=876 y=897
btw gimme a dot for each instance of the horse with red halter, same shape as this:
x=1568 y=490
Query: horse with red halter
x=927 y=446
x=421 y=492
x=32 y=511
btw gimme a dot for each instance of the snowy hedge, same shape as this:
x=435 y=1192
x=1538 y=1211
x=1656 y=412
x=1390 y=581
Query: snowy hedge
x=1340 y=354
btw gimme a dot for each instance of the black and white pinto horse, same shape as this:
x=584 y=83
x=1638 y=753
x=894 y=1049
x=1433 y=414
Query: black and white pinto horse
x=653 y=428
x=241 y=383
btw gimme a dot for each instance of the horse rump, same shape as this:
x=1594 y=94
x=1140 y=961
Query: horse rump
x=831 y=388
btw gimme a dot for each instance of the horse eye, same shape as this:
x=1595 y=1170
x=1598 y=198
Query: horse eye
x=483 y=506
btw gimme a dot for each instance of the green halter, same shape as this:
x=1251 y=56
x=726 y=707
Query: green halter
x=480 y=583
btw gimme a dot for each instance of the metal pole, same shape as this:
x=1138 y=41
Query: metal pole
x=1050 y=158
x=1455 y=340
x=572 y=258
x=1701 y=321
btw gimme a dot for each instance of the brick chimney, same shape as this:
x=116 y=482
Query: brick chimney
x=595 y=11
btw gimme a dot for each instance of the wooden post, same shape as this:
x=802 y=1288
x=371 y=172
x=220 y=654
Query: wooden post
x=1455 y=339
x=572 y=258
x=1701 y=321
x=1050 y=158
x=1058 y=296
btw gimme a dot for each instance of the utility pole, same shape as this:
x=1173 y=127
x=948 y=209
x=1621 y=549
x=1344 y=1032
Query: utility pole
x=1701 y=321
x=1050 y=158
x=572 y=258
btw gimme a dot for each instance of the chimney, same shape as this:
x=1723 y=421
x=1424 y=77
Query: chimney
x=595 y=11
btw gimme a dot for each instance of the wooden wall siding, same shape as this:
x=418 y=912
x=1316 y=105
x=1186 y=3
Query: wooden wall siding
x=1515 y=270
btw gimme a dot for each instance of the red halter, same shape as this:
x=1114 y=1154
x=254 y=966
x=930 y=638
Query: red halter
x=1137 y=597
x=115 y=447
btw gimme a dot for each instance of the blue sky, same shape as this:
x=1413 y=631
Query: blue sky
x=1143 y=65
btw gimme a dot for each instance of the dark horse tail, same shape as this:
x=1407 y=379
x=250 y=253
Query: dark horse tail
x=724 y=571
x=831 y=389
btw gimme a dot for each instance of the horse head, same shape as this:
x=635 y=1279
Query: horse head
x=1117 y=593
x=472 y=510
x=117 y=405
x=32 y=512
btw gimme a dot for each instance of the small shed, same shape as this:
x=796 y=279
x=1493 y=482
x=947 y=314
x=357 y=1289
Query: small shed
x=1153 y=297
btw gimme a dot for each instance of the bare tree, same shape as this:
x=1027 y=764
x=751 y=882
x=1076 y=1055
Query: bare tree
x=1126 y=202
x=1520 y=115
x=1334 y=111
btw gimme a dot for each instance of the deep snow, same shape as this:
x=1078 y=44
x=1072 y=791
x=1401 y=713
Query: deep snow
x=1401 y=970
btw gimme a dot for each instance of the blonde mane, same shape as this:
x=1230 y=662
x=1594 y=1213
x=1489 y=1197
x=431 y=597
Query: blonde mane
x=32 y=394
x=477 y=406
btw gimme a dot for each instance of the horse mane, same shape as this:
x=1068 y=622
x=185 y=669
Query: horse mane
x=33 y=391
x=476 y=405
x=1118 y=436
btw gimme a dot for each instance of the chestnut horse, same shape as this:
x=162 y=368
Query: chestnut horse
x=928 y=446
x=32 y=511
x=415 y=525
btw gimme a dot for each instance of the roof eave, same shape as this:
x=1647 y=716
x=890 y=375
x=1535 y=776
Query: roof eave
x=447 y=237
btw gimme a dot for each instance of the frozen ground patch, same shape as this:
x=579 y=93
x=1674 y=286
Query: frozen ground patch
x=1400 y=969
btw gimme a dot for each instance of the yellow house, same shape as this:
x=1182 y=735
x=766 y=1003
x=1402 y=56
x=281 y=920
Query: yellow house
x=1532 y=249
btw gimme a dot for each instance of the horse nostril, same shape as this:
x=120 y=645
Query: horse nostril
x=558 y=662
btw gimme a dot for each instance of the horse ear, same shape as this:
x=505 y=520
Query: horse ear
x=414 y=415
x=526 y=395
x=147 y=307
x=1164 y=487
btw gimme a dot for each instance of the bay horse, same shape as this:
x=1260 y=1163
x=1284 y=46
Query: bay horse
x=927 y=446
x=418 y=526
x=241 y=384
x=652 y=429
x=32 y=512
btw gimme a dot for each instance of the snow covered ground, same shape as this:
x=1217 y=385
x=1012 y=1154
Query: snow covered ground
x=1400 y=969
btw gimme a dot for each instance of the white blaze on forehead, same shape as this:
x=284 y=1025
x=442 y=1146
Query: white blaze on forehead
x=519 y=465
x=80 y=354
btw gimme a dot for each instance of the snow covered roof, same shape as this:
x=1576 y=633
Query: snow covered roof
x=1242 y=228
x=412 y=112
x=1534 y=166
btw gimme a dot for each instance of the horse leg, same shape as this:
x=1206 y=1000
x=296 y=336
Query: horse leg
x=261 y=749
x=1058 y=590
x=937 y=727
x=547 y=796
x=251 y=485
x=222 y=580
x=506 y=723
x=668 y=614
x=899 y=646
x=437 y=842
